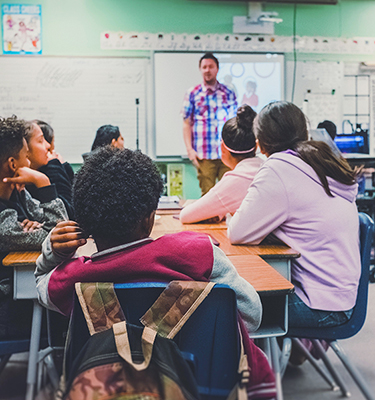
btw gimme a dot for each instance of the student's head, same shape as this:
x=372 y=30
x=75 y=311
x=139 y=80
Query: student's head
x=238 y=139
x=209 y=67
x=280 y=126
x=48 y=132
x=38 y=146
x=108 y=135
x=330 y=127
x=115 y=195
x=13 y=147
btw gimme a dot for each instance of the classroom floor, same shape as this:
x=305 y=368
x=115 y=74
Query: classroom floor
x=301 y=383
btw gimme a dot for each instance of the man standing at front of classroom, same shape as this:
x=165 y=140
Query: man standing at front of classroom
x=205 y=110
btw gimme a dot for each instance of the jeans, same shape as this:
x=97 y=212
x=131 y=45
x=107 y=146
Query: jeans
x=302 y=316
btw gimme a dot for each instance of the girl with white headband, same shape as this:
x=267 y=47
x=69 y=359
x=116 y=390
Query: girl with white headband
x=238 y=148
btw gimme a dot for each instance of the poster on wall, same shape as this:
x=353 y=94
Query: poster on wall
x=22 y=29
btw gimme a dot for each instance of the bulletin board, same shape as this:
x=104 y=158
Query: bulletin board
x=76 y=96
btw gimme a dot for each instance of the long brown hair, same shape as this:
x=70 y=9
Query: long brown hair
x=282 y=126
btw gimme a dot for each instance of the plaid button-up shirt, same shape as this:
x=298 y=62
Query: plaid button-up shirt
x=208 y=110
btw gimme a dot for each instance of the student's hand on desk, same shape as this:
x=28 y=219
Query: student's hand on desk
x=30 y=226
x=25 y=175
x=66 y=237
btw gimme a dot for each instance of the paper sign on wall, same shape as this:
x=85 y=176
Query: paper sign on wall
x=21 y=28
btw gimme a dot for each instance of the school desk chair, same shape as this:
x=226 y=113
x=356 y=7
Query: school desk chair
x=347 y=330
x=209 y=340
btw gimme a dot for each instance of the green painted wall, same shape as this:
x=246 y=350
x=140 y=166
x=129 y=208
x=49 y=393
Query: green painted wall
x=73 y=27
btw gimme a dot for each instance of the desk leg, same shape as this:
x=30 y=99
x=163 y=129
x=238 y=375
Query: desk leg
x=276 y=367
x=36 y=328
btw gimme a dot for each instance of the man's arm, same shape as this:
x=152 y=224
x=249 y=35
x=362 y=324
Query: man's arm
x=192 y=154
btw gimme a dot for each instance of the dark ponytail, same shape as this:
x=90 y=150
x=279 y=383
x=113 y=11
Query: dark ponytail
x=238 y=132
x=282 y=126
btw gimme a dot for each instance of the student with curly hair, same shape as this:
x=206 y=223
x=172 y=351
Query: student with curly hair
x=116 y=193
x=238 y=149
x=24 y=221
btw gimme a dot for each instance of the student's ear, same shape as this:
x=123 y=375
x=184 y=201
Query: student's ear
x=12 y=165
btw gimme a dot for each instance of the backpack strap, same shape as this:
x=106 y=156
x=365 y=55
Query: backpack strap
x=123 y=346
x=99 y=304
x=239 y=392
x=175 y=305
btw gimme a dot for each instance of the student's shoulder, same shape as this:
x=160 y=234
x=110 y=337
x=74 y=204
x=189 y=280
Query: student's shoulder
x=185 y=240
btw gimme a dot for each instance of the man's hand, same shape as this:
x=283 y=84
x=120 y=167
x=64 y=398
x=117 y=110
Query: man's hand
x=30 y=226
x=193 y=157
x=26 y=176
x=66 y=237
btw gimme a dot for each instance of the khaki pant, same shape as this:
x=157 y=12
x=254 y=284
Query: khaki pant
x=208 y=172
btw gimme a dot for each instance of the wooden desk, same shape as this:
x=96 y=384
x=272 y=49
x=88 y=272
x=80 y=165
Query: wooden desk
x=279 y=256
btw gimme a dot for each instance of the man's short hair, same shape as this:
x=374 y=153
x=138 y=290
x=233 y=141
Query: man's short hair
x=12 y=134
x=330 y=127
x=114 y=191
x=209 y=56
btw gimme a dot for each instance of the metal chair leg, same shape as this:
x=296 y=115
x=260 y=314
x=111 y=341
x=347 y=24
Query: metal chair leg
x=322 y=373
x=352 y=370
x=285 y=355
x=276 y=367
x=3 y=362
x=322 y=353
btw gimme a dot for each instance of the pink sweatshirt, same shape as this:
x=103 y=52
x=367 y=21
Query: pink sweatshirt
x=226 y=196
x=287 y=198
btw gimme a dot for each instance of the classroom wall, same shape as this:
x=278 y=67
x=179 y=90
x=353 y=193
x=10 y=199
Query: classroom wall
x=73 y=27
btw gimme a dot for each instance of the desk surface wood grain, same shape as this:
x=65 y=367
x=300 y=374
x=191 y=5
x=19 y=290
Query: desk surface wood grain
x=261 y=275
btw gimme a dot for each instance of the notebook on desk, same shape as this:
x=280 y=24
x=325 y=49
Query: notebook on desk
x=169 y=203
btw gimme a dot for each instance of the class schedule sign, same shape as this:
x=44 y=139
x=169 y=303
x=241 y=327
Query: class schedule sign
x=22 y=28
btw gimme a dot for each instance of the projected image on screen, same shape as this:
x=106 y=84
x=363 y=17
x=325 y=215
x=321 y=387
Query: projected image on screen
x=254 y=83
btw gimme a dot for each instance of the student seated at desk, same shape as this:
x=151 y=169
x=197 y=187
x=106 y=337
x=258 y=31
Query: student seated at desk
x=42 y=159
x=238 y=149
x=106 y=135
x=305 y=195
x=115 y=195
x=24 y=221
x=49 y=135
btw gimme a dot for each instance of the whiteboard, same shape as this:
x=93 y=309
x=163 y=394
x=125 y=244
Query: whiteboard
x=175 y=73
x=76 y=96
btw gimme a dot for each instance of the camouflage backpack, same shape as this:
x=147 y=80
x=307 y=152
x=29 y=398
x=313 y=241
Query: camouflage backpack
x=127 y=362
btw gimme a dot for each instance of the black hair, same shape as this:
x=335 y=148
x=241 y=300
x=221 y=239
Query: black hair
x=330 y=127
x=104 y=136
x=114 y=191
x=47 y=130
x=238 y=132
x=208 y=56
x=12 y=135
x=282 y=126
